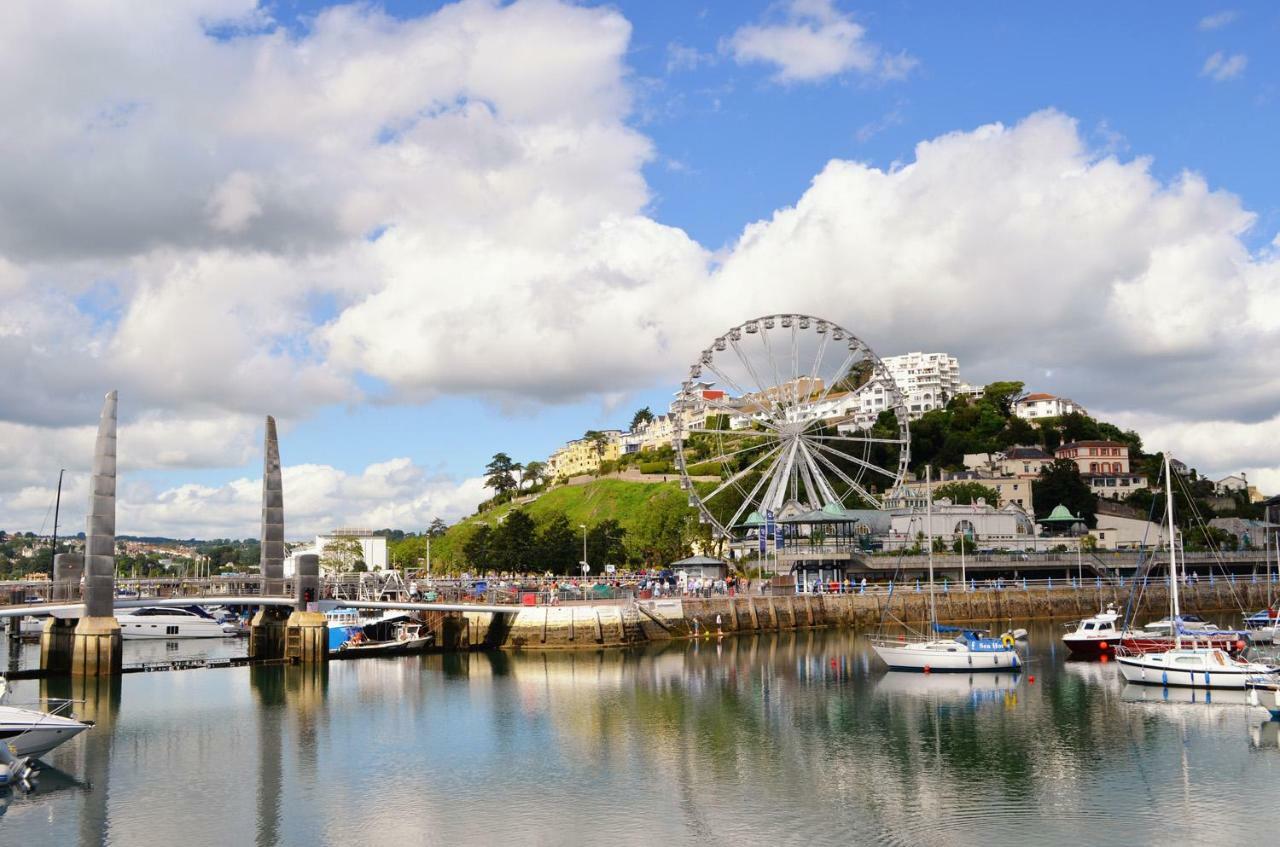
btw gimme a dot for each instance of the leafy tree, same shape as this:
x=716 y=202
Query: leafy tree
x=437 y=528
x=499 y=474
x=478 y=549
x=1018 y=432
x=512 y=547
x=664 y=531
x=535 y=473
x=1078 y=427
x=606 y=542
x=641 y=417
x=558 y=547
x=970 y=546
x=964 y=493
x=1002 y=395
x=1060 y=483
x=342 y=554
x=1050 y=438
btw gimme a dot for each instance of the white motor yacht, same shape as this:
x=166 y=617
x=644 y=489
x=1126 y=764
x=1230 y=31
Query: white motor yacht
x=29 y=732
x=170 y=623
x=1096 y=635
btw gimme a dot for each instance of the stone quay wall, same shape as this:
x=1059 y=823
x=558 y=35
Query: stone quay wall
x=592 y=626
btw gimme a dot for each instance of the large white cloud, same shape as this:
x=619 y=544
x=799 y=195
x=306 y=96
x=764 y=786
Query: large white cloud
x=223 y=218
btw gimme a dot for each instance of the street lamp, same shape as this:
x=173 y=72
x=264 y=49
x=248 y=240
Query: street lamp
x=585 y=566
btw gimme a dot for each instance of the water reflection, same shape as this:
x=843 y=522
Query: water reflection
x=789 y=738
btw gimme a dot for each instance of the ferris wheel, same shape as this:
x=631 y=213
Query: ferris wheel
x=787 y=414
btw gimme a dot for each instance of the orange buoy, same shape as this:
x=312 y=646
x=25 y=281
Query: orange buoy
x=1031 y=680
x=1103 y=658
x=928 y=669
x=1240 y=645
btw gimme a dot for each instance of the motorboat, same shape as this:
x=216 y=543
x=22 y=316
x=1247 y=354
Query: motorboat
x=30 y=732
x=1186 y=623
x=1265 y=693
x=1263 y=626
x=167 y=623
x=406 y=638
x=946 y=649
x=1191 y=660
x=1096 y=635
x=343 y=623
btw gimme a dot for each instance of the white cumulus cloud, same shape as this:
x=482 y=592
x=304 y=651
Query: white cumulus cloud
x=813 y=41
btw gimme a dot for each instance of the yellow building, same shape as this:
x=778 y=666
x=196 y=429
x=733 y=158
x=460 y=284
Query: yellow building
x=583 y=456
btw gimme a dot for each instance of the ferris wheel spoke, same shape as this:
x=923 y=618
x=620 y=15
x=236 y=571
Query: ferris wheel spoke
x=776 y=494
x=732 y=411
x=773 y=361
x=723 y=457
x=816 y=372
x=733 y=480
x=841 y=373
x=750 y=498
x=812 y=488
x=853 y=485
x=871 y=466
x=765 y=395
x=826 y=493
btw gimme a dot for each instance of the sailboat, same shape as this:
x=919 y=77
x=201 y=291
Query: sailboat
x=1198 y=665
x=946 y=649
x=1264 y=626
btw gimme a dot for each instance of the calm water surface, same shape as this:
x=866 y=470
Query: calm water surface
x=790 y=739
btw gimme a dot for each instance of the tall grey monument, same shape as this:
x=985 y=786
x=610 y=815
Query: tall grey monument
x=272 y=556
x=100 y=532
x=96 y=647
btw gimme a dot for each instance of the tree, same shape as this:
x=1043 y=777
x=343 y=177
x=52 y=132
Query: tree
x=663 y=533
x=478 y=548
x=498 y=474
x=437 y=528
x=966 y=493
x=1060 y=484
x=1050 y=438
x=1002 y=395
x=512 y=546
x=340 y=554
x=606 y=543
x=557 y=546
x=1078 y=427
x=641 y=417
x=535 y=473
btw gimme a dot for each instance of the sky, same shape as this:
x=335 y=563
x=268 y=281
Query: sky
x=421 y=233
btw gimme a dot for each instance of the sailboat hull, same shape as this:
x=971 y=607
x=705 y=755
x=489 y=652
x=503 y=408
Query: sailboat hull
x=1188 y=669
x=943 y=657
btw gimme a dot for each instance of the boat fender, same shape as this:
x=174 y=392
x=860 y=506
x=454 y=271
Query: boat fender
x=1015 y=664
x=1007 y=640
x=1206 y=679
x=1164 y=677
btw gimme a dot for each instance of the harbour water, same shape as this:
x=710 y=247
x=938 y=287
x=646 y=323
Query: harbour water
x=792 y=738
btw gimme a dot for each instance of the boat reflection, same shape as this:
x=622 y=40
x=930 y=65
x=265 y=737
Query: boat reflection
x=976 y=689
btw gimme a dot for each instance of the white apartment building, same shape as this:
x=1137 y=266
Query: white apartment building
x=927 y=381
x=373 y=549
x=1035 y=406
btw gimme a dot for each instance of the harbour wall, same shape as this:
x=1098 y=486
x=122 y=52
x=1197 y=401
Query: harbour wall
x=614 y=624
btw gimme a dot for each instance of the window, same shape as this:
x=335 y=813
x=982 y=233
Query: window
x=171 y=630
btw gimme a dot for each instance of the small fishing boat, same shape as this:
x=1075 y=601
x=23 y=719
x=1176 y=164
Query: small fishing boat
x=406 y=638
x=1094 y=636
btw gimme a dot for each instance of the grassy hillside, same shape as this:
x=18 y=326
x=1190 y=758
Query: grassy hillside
x=603 y=499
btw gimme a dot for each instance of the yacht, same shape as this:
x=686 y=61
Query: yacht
x=947 y=649
x=1200 y=665
x=1263 y=626
x=1096 y=635
x=29 y=732
x=1189 y=624
x=169 y=623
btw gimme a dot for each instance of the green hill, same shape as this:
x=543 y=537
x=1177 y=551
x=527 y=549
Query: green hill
x=604 y=499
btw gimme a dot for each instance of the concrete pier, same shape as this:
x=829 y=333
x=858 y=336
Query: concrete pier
x=307 y=632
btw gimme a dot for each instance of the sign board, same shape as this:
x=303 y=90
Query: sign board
x=763 y=541
x=610 y=568
x=769 y=525
x=586 y=568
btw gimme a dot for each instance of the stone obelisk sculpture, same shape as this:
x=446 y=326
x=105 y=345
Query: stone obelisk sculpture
x=267 y=630
x=96 y=650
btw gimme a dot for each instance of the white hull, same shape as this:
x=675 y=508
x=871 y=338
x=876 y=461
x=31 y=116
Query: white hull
x=1264 y=634
x=1188 y=669
x=943 y=656
x=169 y=628
x=32 y=733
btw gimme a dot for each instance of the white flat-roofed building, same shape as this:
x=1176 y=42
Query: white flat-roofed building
x=1035 y=406
x=927 y=381
x=373 y=551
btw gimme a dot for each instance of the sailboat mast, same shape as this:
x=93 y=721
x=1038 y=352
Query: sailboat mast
x=57 y=507
x=1173 y=551
x=928 y=528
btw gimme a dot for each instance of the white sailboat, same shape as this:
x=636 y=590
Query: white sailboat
x=946 y=649
x=1192 y=666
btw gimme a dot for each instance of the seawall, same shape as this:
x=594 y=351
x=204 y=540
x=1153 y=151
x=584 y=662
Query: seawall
x=591 y=626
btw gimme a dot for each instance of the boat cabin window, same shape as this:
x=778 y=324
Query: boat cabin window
x=1088 y=625
x=1106 y=625
x=1187 y=660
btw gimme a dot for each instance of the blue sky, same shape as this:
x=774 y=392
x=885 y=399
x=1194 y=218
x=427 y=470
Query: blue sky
x=732 y=146
x=224 y=213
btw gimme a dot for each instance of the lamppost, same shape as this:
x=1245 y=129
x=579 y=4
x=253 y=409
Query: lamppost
x=585 y=566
